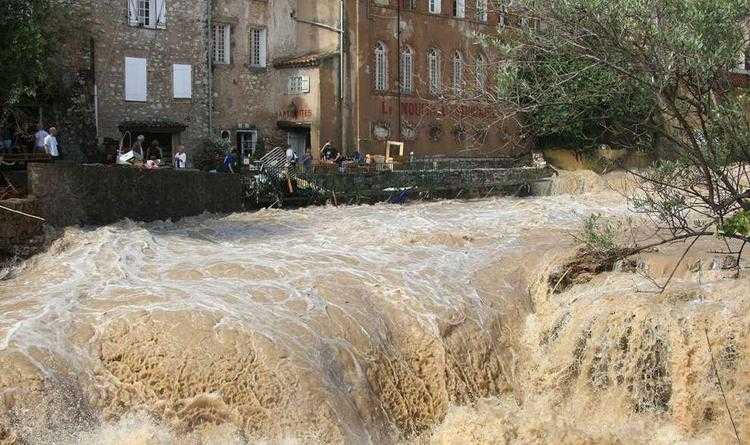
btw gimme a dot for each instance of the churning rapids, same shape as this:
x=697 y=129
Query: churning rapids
x=425 y=323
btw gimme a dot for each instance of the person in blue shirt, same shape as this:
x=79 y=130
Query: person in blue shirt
x=231 y=163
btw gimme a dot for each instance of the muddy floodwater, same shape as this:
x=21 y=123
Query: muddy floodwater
x=423 y=323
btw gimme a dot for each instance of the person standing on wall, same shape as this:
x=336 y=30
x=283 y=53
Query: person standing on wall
x=328 y=153
x=180 y=158
x=137 y=148
x=51 y=146
x=39 y=137
x=154 y=152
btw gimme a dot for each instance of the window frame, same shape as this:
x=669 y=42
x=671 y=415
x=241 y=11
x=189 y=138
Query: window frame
x=434 y=70
x=407 y=70
x=261 y=61
x=380 y=78
x=226 y=44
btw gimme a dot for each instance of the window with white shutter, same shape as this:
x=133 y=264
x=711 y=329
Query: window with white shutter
x=435 y=7
x=482 y=10
x=222 y=43
x=182 y=81
x=459 y=8
x=135 y=79
x=258 y=45
x=147 y=13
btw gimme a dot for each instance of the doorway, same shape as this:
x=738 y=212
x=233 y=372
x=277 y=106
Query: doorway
x=299 y=140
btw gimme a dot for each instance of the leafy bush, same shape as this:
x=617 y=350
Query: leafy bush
x=211 y=153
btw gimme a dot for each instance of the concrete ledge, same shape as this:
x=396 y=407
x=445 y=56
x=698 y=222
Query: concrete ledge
x=70 y=194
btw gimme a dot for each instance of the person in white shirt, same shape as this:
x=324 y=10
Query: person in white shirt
x=50 y=144
x=39 y=138
x=180 y=158
x=291 y=156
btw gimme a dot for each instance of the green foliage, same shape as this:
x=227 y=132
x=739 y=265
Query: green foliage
x=737 y=224
x=599 y=235
x=36 y=37
x=212 y=153
x=585 y=105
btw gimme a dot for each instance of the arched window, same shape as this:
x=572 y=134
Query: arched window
x=433 y=68
x=482 y=10
x=458 y=72
x=381 y=67
x=407 y=70
x=481 y=67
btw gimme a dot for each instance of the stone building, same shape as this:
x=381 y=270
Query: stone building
x=150 y=71
x=266 y=73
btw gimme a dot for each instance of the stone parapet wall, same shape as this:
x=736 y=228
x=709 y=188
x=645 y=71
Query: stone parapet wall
x=69 y=194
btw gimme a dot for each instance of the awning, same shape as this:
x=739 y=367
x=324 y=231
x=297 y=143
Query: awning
x=307 y=60
x=156 y=126
x=291 y=125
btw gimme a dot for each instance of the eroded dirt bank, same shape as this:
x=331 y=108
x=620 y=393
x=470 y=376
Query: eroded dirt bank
x=428 y=323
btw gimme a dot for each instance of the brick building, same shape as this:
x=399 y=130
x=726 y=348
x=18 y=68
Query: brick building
x=269 y=72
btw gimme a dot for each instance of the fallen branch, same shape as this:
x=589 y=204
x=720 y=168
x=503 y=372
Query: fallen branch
x=721 y=388
x=22 y=213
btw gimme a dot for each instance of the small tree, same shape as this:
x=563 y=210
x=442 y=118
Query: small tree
x=678 y=55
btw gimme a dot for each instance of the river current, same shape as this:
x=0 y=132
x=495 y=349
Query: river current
x=422 y=323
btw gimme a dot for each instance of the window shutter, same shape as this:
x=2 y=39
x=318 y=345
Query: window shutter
x=227 y=44
x=263 y=48
x=133 y=12
x=182 y=81
x=160 y=13
x=460 y=8
x=135 y=79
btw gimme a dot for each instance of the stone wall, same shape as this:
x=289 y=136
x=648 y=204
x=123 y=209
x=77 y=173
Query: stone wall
x=69 y=194
x=18 y=232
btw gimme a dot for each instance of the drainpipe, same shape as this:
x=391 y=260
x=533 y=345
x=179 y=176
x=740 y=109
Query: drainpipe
x=398 y=58
x=344 y=118
x=343 y=44
x=209 y=64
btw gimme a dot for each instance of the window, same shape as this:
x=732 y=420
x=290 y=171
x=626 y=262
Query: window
x=458 y=73
x=435 y=7
x=481 y=73
x=147 y=13
x=381 y=67
x=182 y=81
x=408 y=4
x=407 y=70
x=433 y=67
x=482 y=10
x=247 y=142
x=222 y=43
x=459 y=8
x=258 y=52
x=135 y=79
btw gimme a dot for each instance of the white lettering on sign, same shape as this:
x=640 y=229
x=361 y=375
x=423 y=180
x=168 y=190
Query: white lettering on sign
x=299 y=84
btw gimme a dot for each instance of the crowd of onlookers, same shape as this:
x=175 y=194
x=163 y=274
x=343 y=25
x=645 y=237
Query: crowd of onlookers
x=41 y=141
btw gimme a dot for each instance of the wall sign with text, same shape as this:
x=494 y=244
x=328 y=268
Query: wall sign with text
x=298 y=84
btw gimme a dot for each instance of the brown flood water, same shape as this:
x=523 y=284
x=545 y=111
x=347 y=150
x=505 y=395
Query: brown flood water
x=425 y=323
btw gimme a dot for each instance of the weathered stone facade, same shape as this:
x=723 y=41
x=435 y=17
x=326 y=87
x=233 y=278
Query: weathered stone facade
x=180 y=40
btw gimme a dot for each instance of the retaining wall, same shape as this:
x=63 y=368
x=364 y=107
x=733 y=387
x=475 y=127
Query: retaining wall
x=68 y=194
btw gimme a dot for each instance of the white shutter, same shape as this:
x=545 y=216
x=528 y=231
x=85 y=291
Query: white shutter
x=133 y=12
x=460 y=8
x=227 y=44
x=263 y=48
x=159 y=19
x=135 y=79
x=182 y=81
